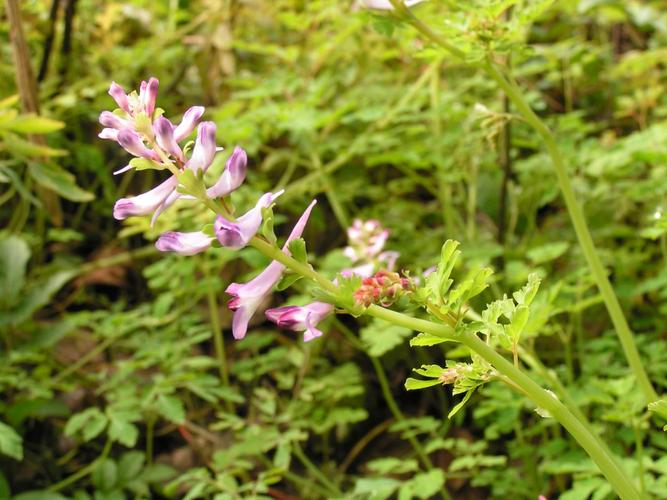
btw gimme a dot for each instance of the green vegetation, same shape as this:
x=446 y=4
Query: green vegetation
x=481 y=285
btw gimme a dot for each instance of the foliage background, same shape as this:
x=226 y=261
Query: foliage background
x=108 y=371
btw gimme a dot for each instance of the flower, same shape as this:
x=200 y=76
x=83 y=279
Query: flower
x=236 y=235
x=247 y=297
x=233 y=175
x=164 y=135
x=145 y=203
x=132 y=143
x=183 y=243
x=188 y=123
x=204 y=150
x=301 y=318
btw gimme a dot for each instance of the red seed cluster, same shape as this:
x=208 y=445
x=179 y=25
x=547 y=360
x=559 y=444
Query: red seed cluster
x=383 y=288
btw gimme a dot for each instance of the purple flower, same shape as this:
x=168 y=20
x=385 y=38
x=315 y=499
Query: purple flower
x=164 y=135
x=301 y=318
x=204 y=150
x=109 y=119
x=385 y=4
x=119 y=95
x=109 y=133
x=236 y=235
x=247 y=297
x=233 y=175
x=183 y=243
x=188 y=123
x=133 y=145
x=145 y=203
x=148 y=95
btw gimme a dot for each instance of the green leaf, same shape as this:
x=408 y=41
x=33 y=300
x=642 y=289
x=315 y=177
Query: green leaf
x=460 y=405
x=171 y=408
x=59 y=180
x=381 y=336
x=412 y=384
x=89 y=423
x=33 y=124
x=659 y=407
x=14 y=256
x=297 y=248
x=123 y=431
x=146 y=164
x=433 y=371
x=130 y=466
x=548 y=252
x=105 y=475
x=25 y=148
x=39 y=495
x=287 y=281
x=11 y=443
x=424 y=485
x=426 y=339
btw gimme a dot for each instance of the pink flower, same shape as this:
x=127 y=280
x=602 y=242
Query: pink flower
x=164 y=135
x=236 y=235
x=232 y=177
x=188 y=123
x=119 y=95
x=183 y=243
x=132 y=143
x=148 y=95
x=145 y=203
x=246 y=298
x=301 y=318
x=204 y=150
x=384 y=4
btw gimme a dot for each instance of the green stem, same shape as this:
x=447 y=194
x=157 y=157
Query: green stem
x=516 y=96
x=314 y=470
x=581 y=433
x=218 y=339
x=83 y=472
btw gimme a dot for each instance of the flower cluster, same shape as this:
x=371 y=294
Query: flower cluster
x=383 y=288
x=366 y=241
x=139 y=127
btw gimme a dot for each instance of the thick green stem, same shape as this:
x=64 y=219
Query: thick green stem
x=515 y=95
x=616 y=476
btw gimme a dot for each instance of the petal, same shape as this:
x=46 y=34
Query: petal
x=204 y=150
x=183 y=243
x=133 y=145
x=236 y=235
x=311 y=332
x=144 y=203
x=164 y=135
x=240 y=322
x=300 y=225
x=291 y=317
x=188 y=123
x=168 y=201
x=108 y=119
x=233 y=175
x=150 y=95
x=108 y=133
x=119 y=95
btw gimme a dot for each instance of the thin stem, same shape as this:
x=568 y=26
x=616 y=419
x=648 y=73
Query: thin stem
x=218 y=339
x=150 y=441
x=314 y=470
x=516 y=96
x=83 y=472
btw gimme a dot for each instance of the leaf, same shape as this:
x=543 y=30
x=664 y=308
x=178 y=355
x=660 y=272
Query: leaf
x=297 y=248
x=105 y=475
x=171 y=408
x=123 y=431
x=460 y=405
x=33 y=124
x=412 y=384
x=14 y=256
x=659 y=407
x=11 y=443
x=146 y=164
x=548 y=252
x=90 y=423
x=39 y=495
x=381 y=336
x=22 y=147
x=426 y=339
x=130 y=466
x=59 y=180
x=423 y=485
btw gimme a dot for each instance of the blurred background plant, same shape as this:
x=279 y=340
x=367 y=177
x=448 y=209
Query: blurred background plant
x=110 y=372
